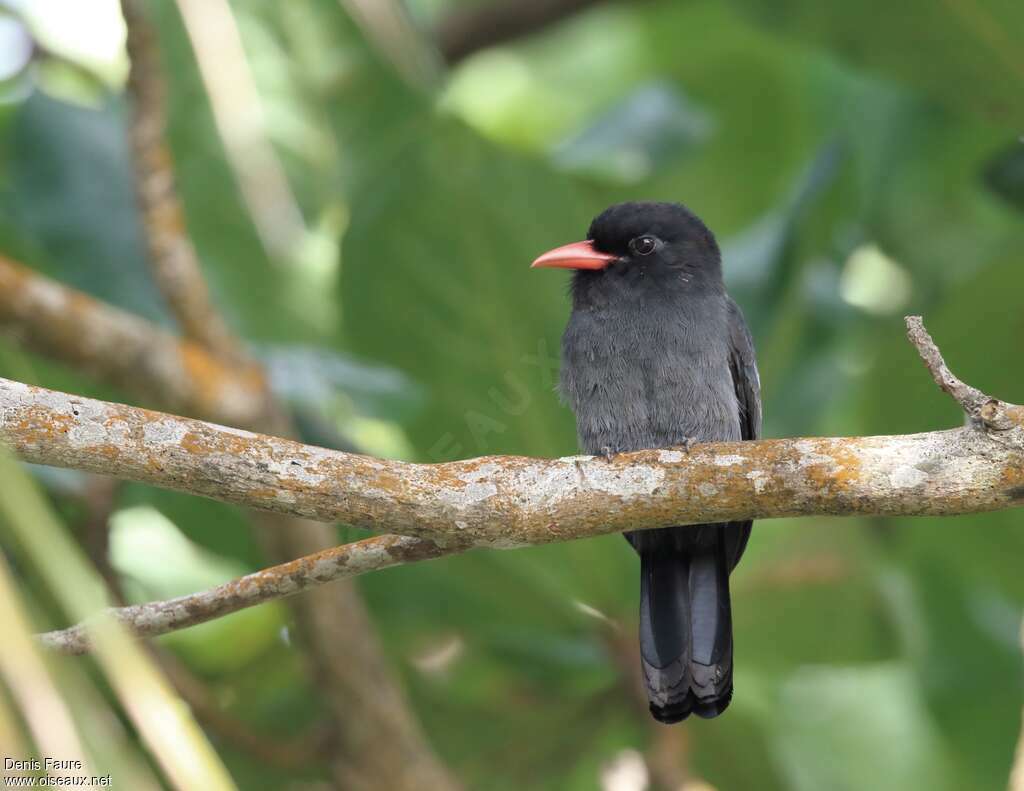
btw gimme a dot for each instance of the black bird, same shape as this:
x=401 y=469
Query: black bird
x=657 y=354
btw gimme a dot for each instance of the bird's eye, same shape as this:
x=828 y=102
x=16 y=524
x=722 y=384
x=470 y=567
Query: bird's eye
x=644 y=245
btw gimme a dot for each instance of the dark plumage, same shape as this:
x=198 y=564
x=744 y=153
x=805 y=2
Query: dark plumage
x=657 y=354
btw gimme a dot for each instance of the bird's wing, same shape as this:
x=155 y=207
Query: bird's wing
x=746 y=380
x=743 y=365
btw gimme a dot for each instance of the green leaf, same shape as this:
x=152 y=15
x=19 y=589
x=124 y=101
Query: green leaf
x=965 y=53
x=851 y=728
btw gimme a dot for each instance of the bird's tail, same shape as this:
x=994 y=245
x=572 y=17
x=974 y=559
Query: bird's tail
x=686 y=630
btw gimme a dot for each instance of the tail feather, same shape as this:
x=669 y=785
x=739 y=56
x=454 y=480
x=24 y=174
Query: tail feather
x=686 y=628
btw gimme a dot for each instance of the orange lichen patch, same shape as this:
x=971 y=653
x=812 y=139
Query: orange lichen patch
x=762 y=457
x=111 y=452
x=40 y=424
x=206 y=441
x=828 y=467
x=118 y=420
x=846 y=469
x=474 y=465
x=293 y=486
x=192 y=443
x=1016 y=414
x=450 y=475
x=1012 y=477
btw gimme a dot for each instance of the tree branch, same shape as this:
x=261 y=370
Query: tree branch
x=502 y=501
x=991 y=413
x=970 y=398
x=172 y=255
x=276 y=582
x=127 y=351
x=515 y=501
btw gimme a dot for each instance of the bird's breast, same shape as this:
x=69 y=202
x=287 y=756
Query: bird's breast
x=644 y=381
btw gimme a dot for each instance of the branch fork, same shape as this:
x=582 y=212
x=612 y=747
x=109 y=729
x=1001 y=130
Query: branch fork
x=1002 y=421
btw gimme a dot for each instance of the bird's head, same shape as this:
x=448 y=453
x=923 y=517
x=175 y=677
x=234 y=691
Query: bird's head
x=638 y=248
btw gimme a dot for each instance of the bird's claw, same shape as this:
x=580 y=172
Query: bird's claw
x=608 y=453
x=687 y=444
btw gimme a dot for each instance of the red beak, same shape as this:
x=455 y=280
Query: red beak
x=578 y=255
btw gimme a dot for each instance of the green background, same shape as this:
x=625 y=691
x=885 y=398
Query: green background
x=857 y=161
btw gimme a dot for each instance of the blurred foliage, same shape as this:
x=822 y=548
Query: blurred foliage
x=857 y=161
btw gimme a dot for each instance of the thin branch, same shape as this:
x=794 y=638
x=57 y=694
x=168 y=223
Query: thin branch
x=970 y=398
x=277 y=582
x=349 y=560
x=127 y=351
x=470 y=29
x=998 y=417
x=173 y=257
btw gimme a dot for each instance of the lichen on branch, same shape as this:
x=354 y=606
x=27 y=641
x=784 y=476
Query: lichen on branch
x=506 y=501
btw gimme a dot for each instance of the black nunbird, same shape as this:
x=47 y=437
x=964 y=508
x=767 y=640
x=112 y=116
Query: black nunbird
x=656 y=354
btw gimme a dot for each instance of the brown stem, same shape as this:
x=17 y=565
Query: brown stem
x=172 y=256
x=970 y=398
x=125 y=350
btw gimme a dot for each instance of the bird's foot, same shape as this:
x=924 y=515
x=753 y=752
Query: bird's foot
x=686 y=445
x=608 y=453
